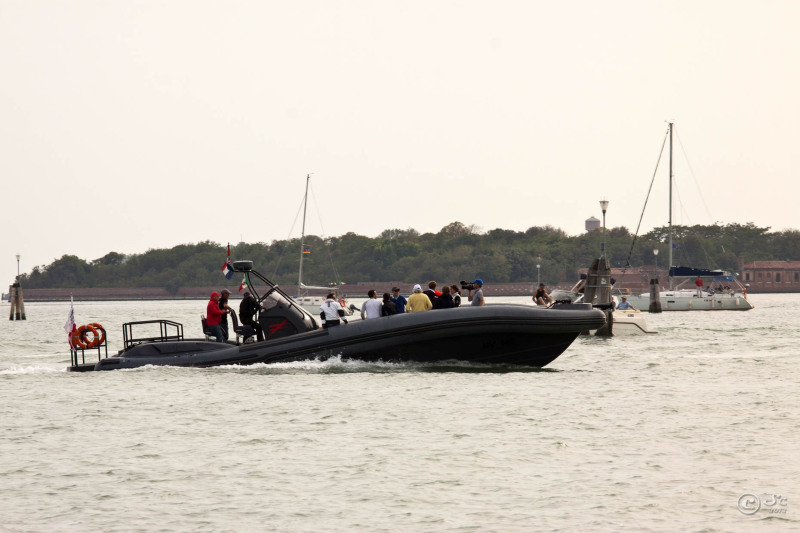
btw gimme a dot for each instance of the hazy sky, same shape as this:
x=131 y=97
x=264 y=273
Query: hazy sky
x=130 y=125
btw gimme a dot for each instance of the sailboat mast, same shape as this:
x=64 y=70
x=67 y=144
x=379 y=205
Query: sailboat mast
x=669 y=265
x=302 y=239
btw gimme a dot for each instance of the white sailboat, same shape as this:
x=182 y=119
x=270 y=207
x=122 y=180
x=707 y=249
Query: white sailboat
x=722 y=292
x=309 y=302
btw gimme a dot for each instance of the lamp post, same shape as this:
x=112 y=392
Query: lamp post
x=603 y=206
x=538 y=265
x=18 y=267
x=655 y=253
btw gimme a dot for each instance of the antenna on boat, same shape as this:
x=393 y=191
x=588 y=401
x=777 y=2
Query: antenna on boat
x=302 y=240
x=669 y=264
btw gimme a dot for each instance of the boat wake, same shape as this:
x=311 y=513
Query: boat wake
x=19 y=371
x=337 y=365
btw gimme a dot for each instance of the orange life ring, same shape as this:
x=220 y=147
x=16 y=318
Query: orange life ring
x=342 y=303
x=102 y=332
x=76 y=341
x=88 y=343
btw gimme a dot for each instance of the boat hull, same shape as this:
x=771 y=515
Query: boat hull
x=629 y=323
x=493 y=334
x=689 y=301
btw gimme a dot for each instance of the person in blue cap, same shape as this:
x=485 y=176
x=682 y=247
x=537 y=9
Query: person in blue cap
x=477 y=298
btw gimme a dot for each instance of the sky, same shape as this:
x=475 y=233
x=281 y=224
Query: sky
x=128 y=126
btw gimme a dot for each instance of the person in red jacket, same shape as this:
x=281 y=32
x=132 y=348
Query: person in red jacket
x=699 y=284
x=214 y=316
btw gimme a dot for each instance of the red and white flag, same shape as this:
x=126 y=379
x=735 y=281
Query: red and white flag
x=70 y=326
x=227 y=268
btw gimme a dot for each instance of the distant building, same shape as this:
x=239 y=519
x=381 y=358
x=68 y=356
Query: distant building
x=592 y=224
x=772 y=276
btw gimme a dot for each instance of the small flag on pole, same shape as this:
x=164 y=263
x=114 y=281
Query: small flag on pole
x=306 y=250
x=70 y=326
x=243 y=285
x=227 y=268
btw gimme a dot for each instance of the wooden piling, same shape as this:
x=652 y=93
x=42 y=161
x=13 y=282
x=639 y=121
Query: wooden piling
x=655 y=296
x=17 y=303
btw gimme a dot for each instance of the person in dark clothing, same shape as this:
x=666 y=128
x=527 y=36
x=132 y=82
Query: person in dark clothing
x=388 y=308
x=455 y=292
x=399 y=300
x=247 y=314
x=445 y=301
x=432 y=293
x=223 y=305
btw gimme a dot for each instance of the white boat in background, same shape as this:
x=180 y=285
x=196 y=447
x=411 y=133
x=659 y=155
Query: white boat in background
x=723 y=291
x=312 y=302
x=630 y=322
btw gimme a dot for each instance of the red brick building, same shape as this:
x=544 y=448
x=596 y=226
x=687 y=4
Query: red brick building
x=772 y=276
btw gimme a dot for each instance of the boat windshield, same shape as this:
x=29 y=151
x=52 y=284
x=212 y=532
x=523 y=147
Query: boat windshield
x=276 y=306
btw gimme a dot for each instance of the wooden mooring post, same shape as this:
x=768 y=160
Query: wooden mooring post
x=17 y=302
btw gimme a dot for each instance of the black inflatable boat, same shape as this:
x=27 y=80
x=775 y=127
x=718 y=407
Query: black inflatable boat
x=493 y=334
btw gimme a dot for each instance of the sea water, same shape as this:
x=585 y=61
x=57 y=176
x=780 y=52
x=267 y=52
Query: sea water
x=692 y=429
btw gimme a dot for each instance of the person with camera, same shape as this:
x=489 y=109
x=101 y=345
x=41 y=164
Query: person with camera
x=477 y=286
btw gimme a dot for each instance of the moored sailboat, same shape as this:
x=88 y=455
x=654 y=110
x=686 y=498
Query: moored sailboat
x=714 y=290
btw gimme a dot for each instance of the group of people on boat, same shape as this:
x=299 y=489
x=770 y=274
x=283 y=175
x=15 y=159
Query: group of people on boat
x=332 y=313
x=217 y=312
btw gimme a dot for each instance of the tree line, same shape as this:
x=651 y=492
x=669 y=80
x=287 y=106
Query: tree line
x=456 y=252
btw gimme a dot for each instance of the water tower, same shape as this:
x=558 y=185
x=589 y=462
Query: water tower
x=592 y=224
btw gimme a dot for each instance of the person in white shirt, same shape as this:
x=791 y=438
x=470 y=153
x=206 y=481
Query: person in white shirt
x=331 y=312
x=372 y=307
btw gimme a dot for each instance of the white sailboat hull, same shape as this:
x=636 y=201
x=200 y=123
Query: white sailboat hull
x=688 y=300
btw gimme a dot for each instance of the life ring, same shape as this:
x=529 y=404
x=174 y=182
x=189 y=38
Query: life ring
x=102 y=332
x=76 y=341
x=342 y=303
x=88 y=343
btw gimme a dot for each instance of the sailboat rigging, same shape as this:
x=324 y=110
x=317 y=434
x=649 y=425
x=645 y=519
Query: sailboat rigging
x=312 y=303
x=724 y=297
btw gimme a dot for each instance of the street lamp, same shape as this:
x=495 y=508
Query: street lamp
x=603 y=206
x=655 y=253
x=538 y=265
x=18 y=266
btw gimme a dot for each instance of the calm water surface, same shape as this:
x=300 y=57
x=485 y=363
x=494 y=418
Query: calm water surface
x=656 y=433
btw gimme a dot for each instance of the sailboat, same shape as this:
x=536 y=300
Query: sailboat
x=719 y=291
x=312 y=303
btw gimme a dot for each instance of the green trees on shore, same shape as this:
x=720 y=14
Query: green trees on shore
x=457 y=251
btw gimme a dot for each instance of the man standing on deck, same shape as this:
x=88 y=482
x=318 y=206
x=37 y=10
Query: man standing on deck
x=223 y=305
x=247 y=312
x=418 y=301
x=372 y=307
x=399 y=300
x=477 y=298
x=699 y=284
x=331 y=312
